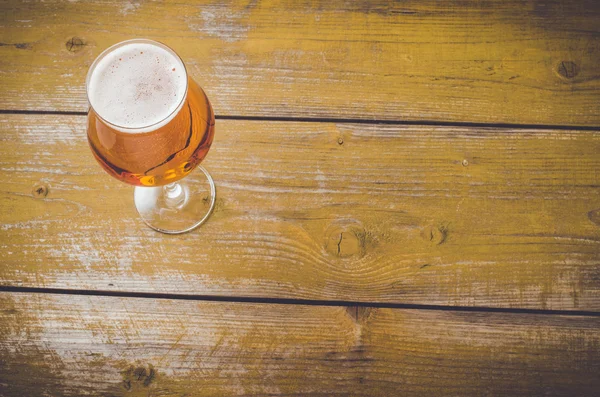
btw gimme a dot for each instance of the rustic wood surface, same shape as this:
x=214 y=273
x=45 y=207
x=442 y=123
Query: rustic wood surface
x=79 y=345
x=376 y=213
x=494 y=61
x=488 y=199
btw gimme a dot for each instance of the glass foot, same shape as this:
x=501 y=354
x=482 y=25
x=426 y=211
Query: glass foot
x=180 y=206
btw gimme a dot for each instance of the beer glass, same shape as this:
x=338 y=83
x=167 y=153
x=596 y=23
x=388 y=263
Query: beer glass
x=150 y=125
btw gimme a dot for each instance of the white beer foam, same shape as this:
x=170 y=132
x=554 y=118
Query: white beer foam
x=137 y=87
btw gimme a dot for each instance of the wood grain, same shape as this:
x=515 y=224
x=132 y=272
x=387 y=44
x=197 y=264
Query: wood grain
x=498 y=61
x=97 y=346
x=374 y=213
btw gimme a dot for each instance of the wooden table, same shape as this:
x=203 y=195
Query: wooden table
x=408 y=204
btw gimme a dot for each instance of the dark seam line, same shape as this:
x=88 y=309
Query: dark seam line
x=42 y=112
x=353 y=121
x=289 y=301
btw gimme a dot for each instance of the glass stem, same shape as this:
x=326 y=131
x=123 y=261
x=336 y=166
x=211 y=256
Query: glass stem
x=175 y=195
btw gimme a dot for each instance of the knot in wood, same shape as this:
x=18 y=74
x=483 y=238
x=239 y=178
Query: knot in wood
x=594 y=216
x=134 y=376
x=74 y=44
x=433 y=234
x=345 y=239
x=567 y=69
x=340 y=141
x=40 y=191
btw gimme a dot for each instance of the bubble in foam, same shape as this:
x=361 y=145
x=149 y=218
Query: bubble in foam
x=148 y=93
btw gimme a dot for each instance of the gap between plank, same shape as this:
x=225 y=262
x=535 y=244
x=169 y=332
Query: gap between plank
x=349 y=121
x=290 y=301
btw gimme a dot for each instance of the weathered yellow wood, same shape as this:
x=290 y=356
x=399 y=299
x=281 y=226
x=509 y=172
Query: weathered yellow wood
x=494 y=61
x=430 y=215
x=77 y=345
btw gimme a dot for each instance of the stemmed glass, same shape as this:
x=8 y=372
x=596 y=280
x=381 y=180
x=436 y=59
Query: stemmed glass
x=150 y=125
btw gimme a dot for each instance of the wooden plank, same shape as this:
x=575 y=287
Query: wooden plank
x=78 y=345
x=406 y=214
x=499 y=61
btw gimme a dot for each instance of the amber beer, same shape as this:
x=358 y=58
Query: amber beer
x=149 y=124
